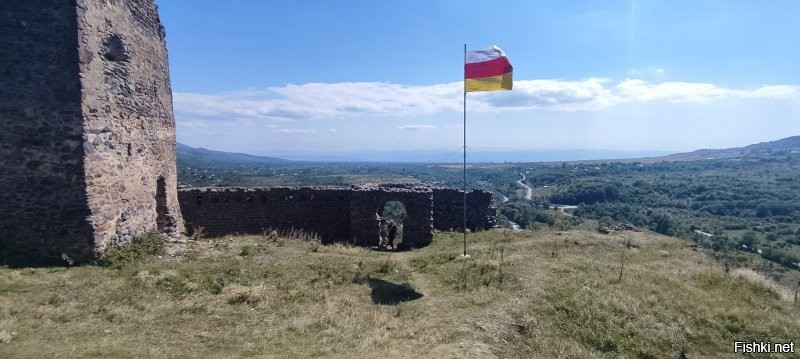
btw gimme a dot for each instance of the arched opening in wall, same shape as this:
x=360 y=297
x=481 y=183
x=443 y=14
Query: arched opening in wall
x=163 y=218
x=394 y=214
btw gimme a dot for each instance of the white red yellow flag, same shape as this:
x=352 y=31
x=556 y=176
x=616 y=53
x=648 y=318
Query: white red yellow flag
x=487 y=70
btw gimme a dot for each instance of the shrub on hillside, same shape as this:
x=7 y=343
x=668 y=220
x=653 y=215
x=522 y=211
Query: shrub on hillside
x=136 y=249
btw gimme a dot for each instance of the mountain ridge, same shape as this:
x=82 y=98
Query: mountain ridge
x=200 y=154
x=785 y=146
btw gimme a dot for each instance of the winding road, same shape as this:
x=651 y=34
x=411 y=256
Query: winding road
x=528 y=194
x=528 y=190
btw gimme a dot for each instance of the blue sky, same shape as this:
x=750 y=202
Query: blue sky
x=286 y=77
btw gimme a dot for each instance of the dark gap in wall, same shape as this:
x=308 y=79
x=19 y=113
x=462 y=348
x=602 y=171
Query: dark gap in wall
x=162 y=213
x=115 y=49
x=394 y=211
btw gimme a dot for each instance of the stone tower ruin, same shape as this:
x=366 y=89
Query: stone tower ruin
x=87 y=133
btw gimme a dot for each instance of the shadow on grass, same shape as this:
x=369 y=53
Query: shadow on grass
x=388 y=293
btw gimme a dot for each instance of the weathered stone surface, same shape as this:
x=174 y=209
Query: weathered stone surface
x=80 y=83
x=320 y=210
x=370 y=200
x=335 y=214
x=87 y=148
x=448 y=209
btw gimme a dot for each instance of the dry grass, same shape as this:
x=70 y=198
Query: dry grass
x=759 y=279
x=542 y=295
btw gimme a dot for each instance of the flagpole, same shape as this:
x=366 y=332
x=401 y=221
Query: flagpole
x=465 y=150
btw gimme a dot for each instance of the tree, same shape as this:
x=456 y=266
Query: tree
x=749 y=239
x=662 y=223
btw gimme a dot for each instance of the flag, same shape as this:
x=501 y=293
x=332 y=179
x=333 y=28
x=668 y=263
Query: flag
x=487 y=70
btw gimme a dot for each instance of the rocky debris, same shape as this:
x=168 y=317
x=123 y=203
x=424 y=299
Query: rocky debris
x=618 y=227
x=175 y=246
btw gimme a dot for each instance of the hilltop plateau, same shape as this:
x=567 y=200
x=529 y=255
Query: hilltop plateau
x=543 y=294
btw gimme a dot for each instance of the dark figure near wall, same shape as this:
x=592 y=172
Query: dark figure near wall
x=392 y=233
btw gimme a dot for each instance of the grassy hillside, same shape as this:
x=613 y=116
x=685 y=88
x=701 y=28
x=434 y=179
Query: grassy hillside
x=529 y=294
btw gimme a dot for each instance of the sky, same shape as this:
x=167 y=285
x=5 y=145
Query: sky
x=284 y=78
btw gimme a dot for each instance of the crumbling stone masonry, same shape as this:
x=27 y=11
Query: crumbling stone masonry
x=220 y=211
x=87 y=148
x=368 y=200
x=335 y=214
x=87 y=134
x=448 y=207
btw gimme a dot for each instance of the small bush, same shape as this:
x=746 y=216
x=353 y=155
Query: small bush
x=245 y=251
x=214 y=285
x=138 y=248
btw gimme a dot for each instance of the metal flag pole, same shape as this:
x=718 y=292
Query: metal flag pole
x=465 y=150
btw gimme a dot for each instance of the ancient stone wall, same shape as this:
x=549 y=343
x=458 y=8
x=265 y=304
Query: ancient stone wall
x=370 y=200
x=448 y=209
x=320 y=210
x=87 y=147
x=43 y=205
x=335 y=214
x=129 y=128
x=88 y=136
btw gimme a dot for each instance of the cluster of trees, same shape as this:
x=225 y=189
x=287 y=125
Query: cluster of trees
x=526 y=214
x=721 y=197
x=657 y=220
x=589 y=192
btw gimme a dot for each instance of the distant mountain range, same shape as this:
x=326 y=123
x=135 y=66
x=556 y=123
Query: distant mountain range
x=203 y=155
x=789 y=145
x=785 y=146
x=473 y=155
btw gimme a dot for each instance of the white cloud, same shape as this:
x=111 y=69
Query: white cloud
x=334 y=101
x=318 y=100
x=633 y=90
x=416 y=127
x=301 y=131
x=549 y=94
x=776 y=92
x=592 y=113
x=639 y=90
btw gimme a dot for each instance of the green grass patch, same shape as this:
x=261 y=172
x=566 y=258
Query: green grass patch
x=543 y=295
x=136 y=249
